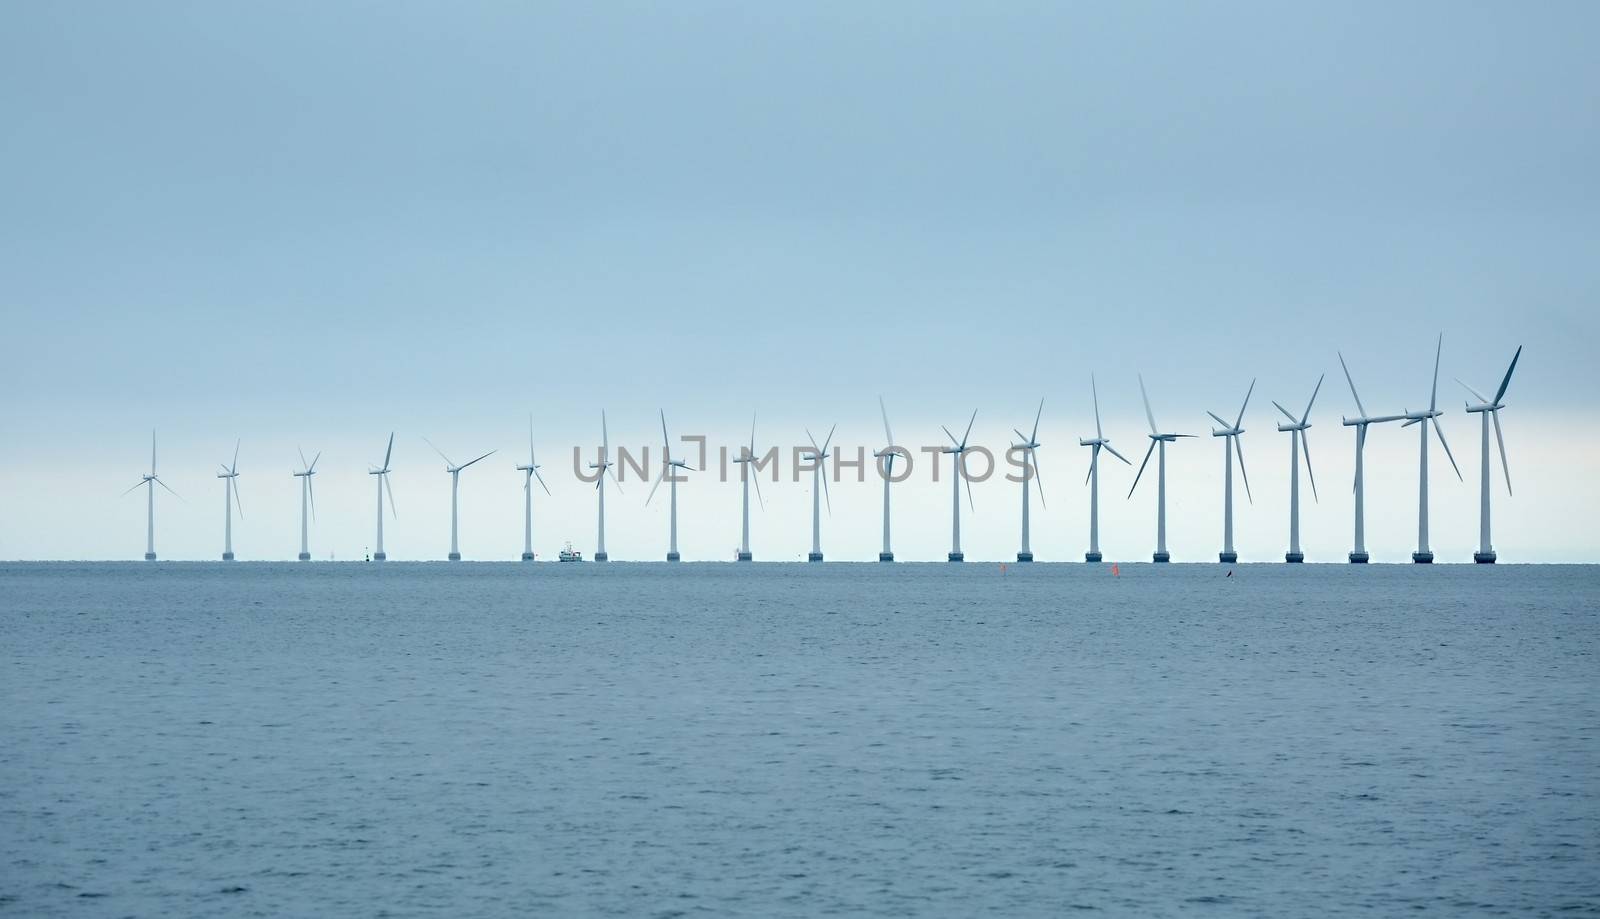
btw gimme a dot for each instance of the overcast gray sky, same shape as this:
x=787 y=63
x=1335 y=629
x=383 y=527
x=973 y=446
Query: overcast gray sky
x=312 y=223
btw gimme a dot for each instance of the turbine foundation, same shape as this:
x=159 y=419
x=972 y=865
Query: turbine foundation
x=527 y=556
x=227 y=556
x=1422 y=558
x=601 y=557
x=813 y=556
x=149 y=556
x=304 y=556
x=672 y=556
x=1024 y=556
x=1359 y=558
x=1091 y=556
x=1483 y=558
x=885 y=556
x=957 y=557
x=379 y=556
x=1228 y=558
x=744 y=557
x=454 y=556
x=1294 y=558
x=1161 y=558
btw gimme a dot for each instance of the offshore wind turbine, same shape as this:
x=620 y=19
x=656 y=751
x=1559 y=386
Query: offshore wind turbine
x=1093 y=478
x=1489 y=409
x=382 y=472
x=958 y=451
x=455 y=492
x=747 y=473
x=818 y=457
x=230 y=497
x=1029 y=444
x=1297 y=442
x=1424 y=555
x=1157 y=440
x=1230 y=434
x=1358 y=554
x=604 y=467
x=151 y=481
x=887 y=455
x=530 y=472
x=668 y=464
x=307 y=470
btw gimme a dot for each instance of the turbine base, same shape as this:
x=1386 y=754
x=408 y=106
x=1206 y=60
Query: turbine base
x=227 y=556
x=1294 y=558
x=527 y=556
x=601 y=557
x=1483 y=558
x=1359 y=558
x=1422 y=558
x=149 y=556
x=1091 y=556
x=379 y=556
x=744 y=557
x=956 y=557
x=454 y=556
x=1228 y=558
x=885 y=556
x=672 y=556
x=304 y=556
x=1024 y=556
x=813 y=556
x=1161 y=558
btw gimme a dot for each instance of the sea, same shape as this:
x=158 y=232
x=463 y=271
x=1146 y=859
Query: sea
x=409 y=739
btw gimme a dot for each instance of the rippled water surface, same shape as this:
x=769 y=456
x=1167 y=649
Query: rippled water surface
x=357 y=739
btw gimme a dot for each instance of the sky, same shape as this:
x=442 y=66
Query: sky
x=306 y=225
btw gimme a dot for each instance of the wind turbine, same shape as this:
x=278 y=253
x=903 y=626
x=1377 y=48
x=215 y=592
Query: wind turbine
x=604 y=466
x=747 y=473
x=151 y=481
x=1230 y=433
x=668 y=464
x=958 y=452
x=530 y=472
x=1358 y=555
x=1424 y=555
x=1489 y=409
x=1030 y=443
x=818 y=456
x=1093 y=478
x=1297 y=442
x=383 y=485
x=230 y=497
x=1160 y=440
x=307 y=470
x=455 y=490
x=887 y=455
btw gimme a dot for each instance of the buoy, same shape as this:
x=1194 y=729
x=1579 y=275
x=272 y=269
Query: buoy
x=1115 y=572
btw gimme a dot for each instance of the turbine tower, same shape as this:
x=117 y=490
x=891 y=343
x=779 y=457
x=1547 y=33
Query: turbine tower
x=668 y=464
x=957 y=451
x=604 y=467
x=530 y=472
x=307 y=470
x=747 y=473
x=1230 y=434
x=1489 y=409
x=1358 y=555
x=1424 y=555
x=1157 y=440
x=818 y=456
x=151 y=481
x=455 y=492
x=887 y=455
x=1029 y=444
x=1297 y=442
x=1093 y=478
x=382 y=473
x=230 y=497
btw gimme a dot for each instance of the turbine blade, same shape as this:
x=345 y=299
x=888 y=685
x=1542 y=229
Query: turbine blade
x=614 y=477
x=1240 y=420
x=1149 y=415
x=752 y=433
x=1098 y=435
x=541 y=480
x=755 y=477
x=829 y=442
x=1502 y=441
x=1475 y=394
x=1238 y=450
x=969 y=428
x=466 y=464
x=390 y=489
x=605 y=437
x=1113 y=451
x=1500 y=394
x=1313 y=398
x=302 y=453
x=1219 y=419
x=311 y=492
x=1035 y=435
x=169 y=489
x=530 y=439
x=950 y=435
x=1305 y=447
x=823 y=475
x=1038 y=481
x=133 y=486
x=234 y=469
x=233 y=486
x=1140 y=474
x=446 y=459
x=1286 y=413
x=659 y=479
x=152 y=451
x=1352 y=383
x=1094 y=454
x=388 y=451
x=313 y=467
x=1440 y=431
x=1433 y=401
x=888 y=435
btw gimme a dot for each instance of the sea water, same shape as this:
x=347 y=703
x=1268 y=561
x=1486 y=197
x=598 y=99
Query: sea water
x=788 y=739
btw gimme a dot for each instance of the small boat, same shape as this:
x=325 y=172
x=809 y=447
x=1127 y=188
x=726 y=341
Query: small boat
x=569 y=554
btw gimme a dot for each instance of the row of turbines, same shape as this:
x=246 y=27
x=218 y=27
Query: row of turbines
x=1231 y=433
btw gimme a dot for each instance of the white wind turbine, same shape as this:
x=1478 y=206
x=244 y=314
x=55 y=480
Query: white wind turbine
x=958 y=452
x=1424 y=555
x=668 y=464
x=382 y=473
x=455 y=491
x=230 y=498
x=1230 y=433
x=530 y=472
x=886 y=457
x=818 y=458
x=1489 y=409
x=748 y=472
x=1296 y=429
x=604 y=467
x=151 y=481
x=1157 y=440
x=307 y=470
x=1029 y=444
x=1358 y=555
x=1093 y=478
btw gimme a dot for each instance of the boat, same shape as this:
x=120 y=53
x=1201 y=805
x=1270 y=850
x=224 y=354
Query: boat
x=569 y=554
